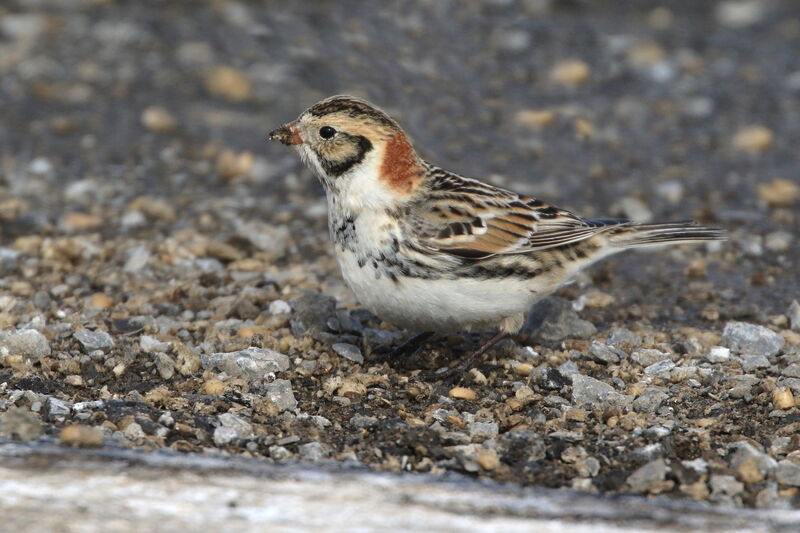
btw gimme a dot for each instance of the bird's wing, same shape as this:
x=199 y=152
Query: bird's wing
x=470 y=219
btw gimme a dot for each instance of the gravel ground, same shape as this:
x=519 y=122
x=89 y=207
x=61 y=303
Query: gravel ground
x=167 y=280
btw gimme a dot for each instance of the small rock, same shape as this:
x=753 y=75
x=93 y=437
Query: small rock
x=251 y=363
x=80 y=436
x=647 y=357
x=718 y=354
x=57 y=410
x=778 y=241
x=752 y=464
x=229 y=84
x=724 y=488
x=281 y=394
x=753 y=139
x=751 y=339
x=782 y=398
x=311 y=313
x=314 y=451
x=137 y=259
x=242 y=427
x=739 y=13
x=350 y=352
x=134 y=432
x=535 y=118
x=589 y=390
x=20 y=423
x=483 y=430
x=165 y=365
x=93 y=340
x=279 y=453
x=660 y=367
x=224 y=435
x=603 y=353
x=462 y=393
x=570 y=72
x=649 y=477
x=553 y=320
x=794 y=315
x=158 y=119
x=363 y=421
x=279 y=307
x=752 y=362
x=151 y=344
x=633 y=208
x=624 y=339
x=792 y=371
x=650 y=400
x=779 y=192
x=788 y=473
x=27 y=343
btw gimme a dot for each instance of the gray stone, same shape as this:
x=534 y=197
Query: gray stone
x=362 y=421
x=647 y=357
x=794 y=315
x=242 y=427
x=137 y=259
x=20 y=423
x=648 y=477
x=165 y=365
x=224 y=435
x=603 y=353
x=724 y=488
x=151 y=344
x=25 y=342
x=752 y=362
x=91 y=341
x=553 y=320
x=134 y=432
x=660 y=367
x=349 y=351
x=281 y=394
x=788 y=473
x=483 y=430
x=251 y=363
x=314 y=451
x=745 y=451
x=279 y=307
x=791 y=371
x=311 y=313
x=718 y=354
x=527 y=444
x=279 y=453
x=624 y=339
x=751 y=339
x=589 y=390
x=57 y=410
x=650 y=400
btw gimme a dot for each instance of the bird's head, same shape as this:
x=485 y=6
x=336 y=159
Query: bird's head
x=355 y=149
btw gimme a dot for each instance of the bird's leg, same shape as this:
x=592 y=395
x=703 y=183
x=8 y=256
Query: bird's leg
x=508 y=325
x=408 y=348
x=455 y=373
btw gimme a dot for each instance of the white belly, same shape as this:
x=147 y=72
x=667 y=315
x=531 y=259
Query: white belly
x=436 y=305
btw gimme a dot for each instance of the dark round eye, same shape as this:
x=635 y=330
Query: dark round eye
x=326 y=132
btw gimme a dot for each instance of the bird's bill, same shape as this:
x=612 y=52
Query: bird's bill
x=287 y=134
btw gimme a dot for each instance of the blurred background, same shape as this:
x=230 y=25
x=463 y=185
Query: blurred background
x=130 y=121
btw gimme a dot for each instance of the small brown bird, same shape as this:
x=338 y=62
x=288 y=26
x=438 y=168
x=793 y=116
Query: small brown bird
x=432 y=251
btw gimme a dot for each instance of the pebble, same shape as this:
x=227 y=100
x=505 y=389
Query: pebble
x=251 y=363
x=279 y=453
x=81 y=436
x=553 y=320
x=280 y=393
x=224 y=435
x=229 y=84
x=93 y=340
x=745 y=338
x=660 y=367
x=603 y=353
x=649 y=477
x=589 y=390
x=242 y=428
x=350 y=352
x=724 y=488
x=138 y=258
x=794 y=315
x=57 y=410
x=624 y=339
x=24 y=342
x=483 y=430
x=650 y=400
x=791 y=371
x=570 y=72
x=158 y=119
x=647 y=357
x=788 y=473
x=134 y=432
x=462 y=393
x=778 y=241
x=314 y=451
x=718 y=354
x=279 y=307
x=151 y=344
x=21 y=424
x=782 y=398
x=753 y=139
x=363 y=421
x=753 y=362
x=751 y=462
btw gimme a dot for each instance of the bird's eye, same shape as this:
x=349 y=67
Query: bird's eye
x=326 y=132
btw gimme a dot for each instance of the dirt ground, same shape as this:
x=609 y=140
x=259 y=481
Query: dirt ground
x=167 y=279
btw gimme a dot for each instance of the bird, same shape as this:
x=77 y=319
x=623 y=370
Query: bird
x=431 y=251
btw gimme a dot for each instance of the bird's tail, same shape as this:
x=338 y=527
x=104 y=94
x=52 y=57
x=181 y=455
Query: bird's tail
x=630 y=235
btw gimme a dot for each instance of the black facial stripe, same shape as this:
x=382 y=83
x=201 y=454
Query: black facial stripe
x=337 y=168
